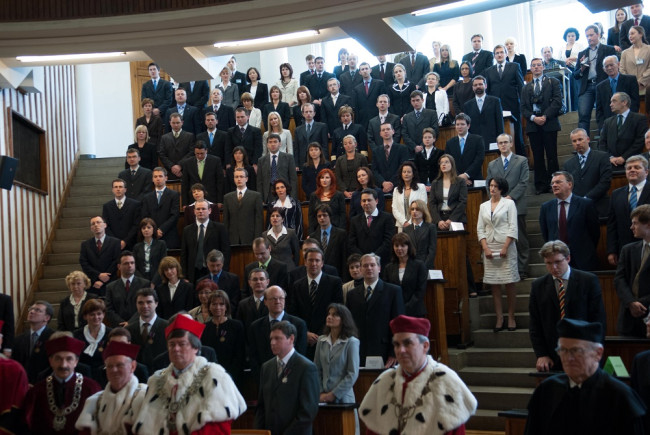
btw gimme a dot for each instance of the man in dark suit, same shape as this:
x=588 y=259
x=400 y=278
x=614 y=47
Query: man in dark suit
x=479 y=59
x=120 y=294
x=372 y=230
x=99 y=255
x=541 y=101
x=330 y=105
x=383 y=115
x=486 y=113
x=29 y=347
x=582 y=300
x=414 y=122
x=632 y=279
x=591 y=170
x=200 y=238
x=505 y=81
x=623 y=133
x=148 y=331
x=273 y=166
x=159 y=90
x=623 y=201
x=245 y=135
x=317 y=82
x=578 y=226
x=243 y=213
x=205 y=169
x=365 y=100
x=300 y=272
x=351 y=78
x=198 y=93
x=138 y=180
x=387 y=159
x=383 y=71
x=175 y=146
x=189 y=114
x=121 y=215
x=333 y=240
x=311 y=69
x=467 y=149
x=228 y=282
x=163 y=206
x=590 y=73
x=416 y=65
x=259 y=346
x=237 y=77
x=252 y=307
x=276 y=269
x=637 y=19
x=225 y=114
x=216 y=140
x=373 y=305
x=8 y=327
x=289 y=386
x=615 y=82
x=310 y=131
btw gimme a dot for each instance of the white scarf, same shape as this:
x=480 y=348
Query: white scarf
x=93 y=342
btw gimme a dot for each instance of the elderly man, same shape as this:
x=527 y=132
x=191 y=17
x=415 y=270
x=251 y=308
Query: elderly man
x=53 y=405
x=615 y=82
x=191 y=396
x=584 y=399
x=623 y=133
x=422 y=396
x=112 y=410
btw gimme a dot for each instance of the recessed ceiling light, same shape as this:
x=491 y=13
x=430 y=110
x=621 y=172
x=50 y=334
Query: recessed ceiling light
x=447 y=7
x=68 y=57
x=276 y=38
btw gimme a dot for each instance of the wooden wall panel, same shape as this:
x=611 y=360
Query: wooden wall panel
x=27 y=217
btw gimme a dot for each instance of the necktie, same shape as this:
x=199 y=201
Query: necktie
x=33 y=342
x=633 y=198
x=324 y=241
x=537 y=88
x=181 y=109
x=312 y=291
x=387 y=151
x=636 y=21
x=644 y=259
x=505 y=164
x=308 y=130
x=369 y=221
x=176 y=133
x=191 y=86
x=368 y=293
x=239 y=197
x=619 y=123
x=274 y=169
x=155 y=84
x=145 y=333
x=243 y=130
x=561 y=292
x=257 y=303
x=474 y=59
x=612 y=83
x=119 y=205
x=280 y=366
x=99 y=246
x=381 y=71
x=351 y=73
x=199 y=248
x=479 y=102
x=133 y=173
x=215 y=279
x=582 y=159
x=319 y=76
x=500 y=70
x=215 y=109
x=413 y=60
x=366 y=85
x=462 y=144
x=417 y=115
x=383 y=119
x=211 y=137
x=127 y=285
x=201 y=164
x=562 y=223
x=159 y=193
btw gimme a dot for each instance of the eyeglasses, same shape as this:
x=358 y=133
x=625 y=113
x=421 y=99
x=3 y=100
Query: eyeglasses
x=573 y=351
x=36 y=310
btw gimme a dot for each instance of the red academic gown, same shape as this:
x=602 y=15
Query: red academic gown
x=13 y=384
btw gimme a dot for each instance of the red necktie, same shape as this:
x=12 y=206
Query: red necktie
x=127 y=285
x=636 y=21
x=366 y=85
x=369 y=221
x=381 y=71
x=99 y=246
x=562 y=223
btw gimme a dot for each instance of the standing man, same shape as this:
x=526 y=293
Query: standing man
x=120 y=294
x=413 y=123
x=397 y=390
x=237 y=77
x=148 y=331
x=317 y=82
x=486 y=112
x=242 y=211
x=373 y=230
x=637 y=19
x=198 y=92
x=99 y=255
x=311 y=69
x=330 y=105
x=350 y=78
x=225 y=114
x=479 y=59
x=562 y=292
x=615 y=82
x=514 y=168
x=214 y=139
x=590 y=73
x=289 y=386
x=374 y=125
x=205 y=169
x=276 y=269
x=137 y=179
x=273 y=166
x=226 y=281
x=623 y=134
x=541 y=101
x=245 y=135
x=333 y=240
x=121 y=215
x=29 y=347
x=467 y=149
x=252 y=307
x=383 y=71
x=573 y=220
x=416 y=65
x=310 y=131
x=159 y=90
x=365 y=95
x=385 y=164
x=189 y=114
x=175 y=146
x=163 y=206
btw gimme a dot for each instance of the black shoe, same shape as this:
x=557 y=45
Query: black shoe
x=499 y=328
x=514 y=328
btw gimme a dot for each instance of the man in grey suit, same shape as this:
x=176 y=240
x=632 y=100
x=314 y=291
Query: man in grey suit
x=242 y=211
x=275 y=164
x=374 y=125
x=310 y=131
x=175 y=146
x=514 y=168
x=414 y=122
x=138 y=180
x=623 y=135
x=159 y=90
x=330 y=105
x=120 y=294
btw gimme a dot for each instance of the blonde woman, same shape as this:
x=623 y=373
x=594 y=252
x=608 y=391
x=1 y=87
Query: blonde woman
x=230 y=91
x=274 y=123
x=635 y=60
x=254 y=114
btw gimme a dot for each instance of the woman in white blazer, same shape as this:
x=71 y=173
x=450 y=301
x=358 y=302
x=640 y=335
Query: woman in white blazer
x=569 y=54
x=406 y=191
x=497 y=233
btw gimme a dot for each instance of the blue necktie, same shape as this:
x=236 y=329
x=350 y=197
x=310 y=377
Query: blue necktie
x=155 y=84
x=160 y=192
x=211 y=137
x=462 y=144
x=505 y=164
x=274 y=169
x=612 y=83
x=633 y=198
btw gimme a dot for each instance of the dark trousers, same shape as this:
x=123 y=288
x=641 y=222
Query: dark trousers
x=522 y=245
x=543 y=142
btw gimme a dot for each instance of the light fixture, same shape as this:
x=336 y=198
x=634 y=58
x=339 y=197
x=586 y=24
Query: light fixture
x=447 y=7
x=268 y=39
x=68 y=57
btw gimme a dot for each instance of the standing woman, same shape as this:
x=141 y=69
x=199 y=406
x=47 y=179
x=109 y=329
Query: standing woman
x=70 y=316
x=204 y=289
x=426 y=160
x=174 y=294
x=511 y=56
x=400 y=92
x=147 y=149
x=347 y=126
x=343 y=63
x=463 y=91
x=448 y=196
x=447 y=70
x=569 y=54
x=274 y=121
x=406 y=191
x=282 y=240
x=94 y=334
x=259 y=91
x=614 y=33
x=366 y=179
x=230 y=91
x=287 y=84
x=276 y=105
x=635 y=60
x=315 y=163
x=327 y=193
x=423 y=233
x=435 y=97
x=290 y=208
x=239 y=160
x=149 y=251
x=254 y=114
x=497 y=234
x=347 y=166
x=409 y=273
x=304 y=96
x=152 y=122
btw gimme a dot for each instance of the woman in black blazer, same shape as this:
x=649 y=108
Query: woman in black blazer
x=463 y=91
x=276 y=105
x=148 y=239
x=347 y=166
x=147 y=149
x=239 y=159
x=409 y=273
x=94 y=334
x=448 y=196
x=70 y=316
x=365 y=180
x=513 y=57
x=304 y=96
x=315 y=163
x=346 y=127
x=400 y=92
x=259 y=91
x=423 y=233
x=171 y=272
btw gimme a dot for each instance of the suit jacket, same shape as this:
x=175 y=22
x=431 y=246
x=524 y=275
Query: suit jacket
x=165 y=214
x=629 y=64
x=212 y=180
x=191 y=116
x=374 y=126
x=388 y=78
x=283 y=110
x=619 y=233
x=158 y=252
x=225 y=116
x=138 y=185
x=413 y=285
x=183 y=299
x=488 y=123
x=629 y=265
x=260 y=345
x=583 y=229
x=65 y=319
x=286 y=171
x=154 y=346
x=471 y=161
x=276 y=269
x=507 y=87
x=593 y=180
x=239 y=78
x=120 y=304
x=122 y=223
x=304 y=76
x=318 y=87
x=261 y=96
x=356 y=130
x=161 y=96
x=386 y=170
x=329 y=290
x=376 y=238
x=428 y=167
x=516 y=176
x=197 y=97
x=7 y=315
x=218 y=146
x=349 y=81
x=93 y=263
x=456 y=200
x=366 y=105
x=640 y=382
x=415 y=72
x=173 y=150
x=624 y=40
x=425 y=239
x=318 y=134
x=582 y=73
x=484 y=60
x=629 y=141
x=372 y=317
x=228 y=282
x=329 y=112
x=626 y=83
x=551 y=103
x=583 y=301
x=243 y=220
x=300 y=272
x=251 y=140
x=288 y=407
x=37 y=361
x=247 y=312
x=216 y=237
x=336 y=251
x=412 y=127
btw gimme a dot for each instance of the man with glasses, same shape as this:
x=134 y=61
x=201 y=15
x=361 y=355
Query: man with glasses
x=584 y=399
x=562 y=292
x=29 y=347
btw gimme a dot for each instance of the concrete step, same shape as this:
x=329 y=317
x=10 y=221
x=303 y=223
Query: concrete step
x=534 y=257
x=54 y=297
x=85 y=201
x=503 y=376
x=488 y=320
x=536 y=201
x=500 y=357
x=82 y=211
x=537 y=269
x=91 y=181
x=67 y=246
x=108 y=171
x=91 y=189
x=61 y=259
x=487 y=338
x=75 y=222
x=104 y=161
x=60 y=270
x=535 y=240
x=486 y=303
x=73 y=233
x=501 y=398
x=486 y=420
x=532 y=224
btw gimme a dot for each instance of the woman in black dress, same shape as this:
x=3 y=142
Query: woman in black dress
x=400 y=92
x=463 y=91
x=276 y=105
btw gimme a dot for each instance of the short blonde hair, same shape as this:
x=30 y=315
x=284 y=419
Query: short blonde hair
x=77 y=275
x=138 y=129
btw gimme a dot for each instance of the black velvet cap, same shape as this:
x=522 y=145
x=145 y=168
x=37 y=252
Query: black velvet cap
x=580 y=330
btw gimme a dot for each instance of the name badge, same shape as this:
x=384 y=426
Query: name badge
x=639 y=61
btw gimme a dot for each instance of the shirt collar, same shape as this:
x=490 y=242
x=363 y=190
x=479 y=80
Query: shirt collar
x=375 y=213
x=40 y=330
x=372 y=285
x=279 y=318
x=567 y=200
x=150 y=322
x=639 y=187
x=317 y=279
x=288 y=356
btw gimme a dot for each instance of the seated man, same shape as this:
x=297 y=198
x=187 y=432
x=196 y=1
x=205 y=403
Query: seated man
x=29 y=346
x=622 y=135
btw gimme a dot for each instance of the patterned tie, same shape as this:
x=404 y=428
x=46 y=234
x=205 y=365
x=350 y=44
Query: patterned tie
x=417 y=114
x=99 y=246
x=312 y=291
x=243 y=130
x=181 y=109
x=280 y=366
x=176 y=133
x=561 y=292
x=474 y=60
x=633 y=198
x=368 y=293
x=145 y=333
x=274 y=169
x=369 y=221
x=538 y=90
x=387 y=151
x=239 y=197
x=505 y=164
x=200 y=259
x=582 y=159
x=324 y=241
x=159 y=193
x=562 y=227
x=119 y=205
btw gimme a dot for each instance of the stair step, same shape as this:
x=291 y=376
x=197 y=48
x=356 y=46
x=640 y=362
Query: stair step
x=488 y=320
x=74 y=222
x=81 y=211
x=104 y=161
x=501 y=398
x=108 y=171
x=63 y=234
x=486 y=420
x=535 y=239
x=66 y=247
x=500 y=357
x=91 y=189
x=502 y=376
x=90 y=181
x=59 y=271
x=537 y=269
x=54 y=297
x=60 y=259
x=487 y=338
x=486 y=303
x=94 y=200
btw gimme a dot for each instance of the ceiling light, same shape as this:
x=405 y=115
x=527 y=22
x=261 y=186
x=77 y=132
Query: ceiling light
x=447 y=7
x=268 y=39
x=68 y=57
